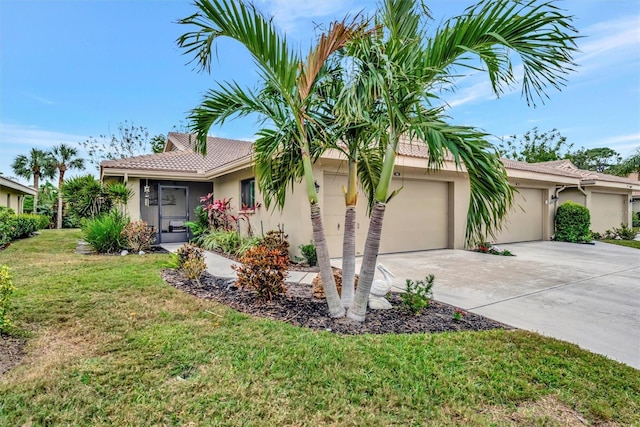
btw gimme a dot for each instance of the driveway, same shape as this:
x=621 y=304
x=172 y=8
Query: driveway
x=585 y=294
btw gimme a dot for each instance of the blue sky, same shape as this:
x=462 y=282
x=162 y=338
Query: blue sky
x=74 y=69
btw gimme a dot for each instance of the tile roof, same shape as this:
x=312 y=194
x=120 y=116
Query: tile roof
x=182 y=158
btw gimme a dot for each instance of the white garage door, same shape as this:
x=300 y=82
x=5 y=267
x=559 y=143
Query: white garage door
x=607 y=211
x=333 y=215
x=417 y=217
x=524 y=222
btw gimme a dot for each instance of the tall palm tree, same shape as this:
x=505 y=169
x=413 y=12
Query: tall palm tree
x=64 y=158
x=38 y=165
x=402 y=69
x=286 y=101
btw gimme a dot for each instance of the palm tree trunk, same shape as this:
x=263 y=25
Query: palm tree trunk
x=36 y=185
x=326 y=273
x=349 y=238
x=60 y=182
x=349 y=256
x=358 y=309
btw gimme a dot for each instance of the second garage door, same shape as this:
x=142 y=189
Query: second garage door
x=525 y=222
x=607 y=211
x=417 y=218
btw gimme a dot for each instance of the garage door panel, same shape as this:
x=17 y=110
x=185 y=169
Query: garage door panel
x=333 y=215
x=607 y=211
x=525 y=221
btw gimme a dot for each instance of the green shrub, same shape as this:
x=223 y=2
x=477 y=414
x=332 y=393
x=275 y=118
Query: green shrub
x=624 y=232
x=8 y=225
x=248 y=243
x=309 y=254
x=227 y=241
x=263 y=270
x=25 y=225
x=635 y=221
x=14 y=226
x=6 y=289
x=200 y=226
x=104 y=233
x=572 y=223
x=138 y=235
x=418 y=294
x=188 y=251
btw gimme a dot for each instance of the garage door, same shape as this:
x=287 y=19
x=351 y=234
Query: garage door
x=333 y=215
x=524 y=222
x=607 y=211
x=417 y=218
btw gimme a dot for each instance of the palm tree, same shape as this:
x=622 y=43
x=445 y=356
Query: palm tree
x=38 y=165
x=402 y=69
x=64 y=158
x=285 y=151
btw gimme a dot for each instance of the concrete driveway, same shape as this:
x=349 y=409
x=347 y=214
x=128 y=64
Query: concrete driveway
x=585 y=294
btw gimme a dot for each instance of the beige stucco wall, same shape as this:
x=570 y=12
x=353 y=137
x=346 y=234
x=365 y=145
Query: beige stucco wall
x=608 y=207
x=10 y=198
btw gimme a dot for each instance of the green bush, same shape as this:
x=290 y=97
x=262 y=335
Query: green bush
x=636 y=219
x=227 y=241
x=418 y=294
x=573 y=222
x=104 y=233
x=8 y=224
x=624 y=232
x=309 y=254
x=6 y=289
x=14 y=226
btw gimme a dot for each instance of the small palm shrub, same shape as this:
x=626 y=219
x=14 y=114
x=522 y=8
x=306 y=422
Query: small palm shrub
x=6 y=289
x=263 y=270
x=572 y=223
x=309 y=254
x=418 y=294
x=200 y=226
x=138 y=235
x=104 y=233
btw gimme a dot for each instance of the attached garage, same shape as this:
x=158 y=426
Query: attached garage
x=525 y=221
x=417 y=218
x=607 y=211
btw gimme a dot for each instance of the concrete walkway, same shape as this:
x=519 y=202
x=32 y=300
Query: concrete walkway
x=220 y=266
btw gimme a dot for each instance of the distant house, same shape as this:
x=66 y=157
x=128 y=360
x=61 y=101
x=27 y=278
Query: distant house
x=429 y=213
x=12 y=194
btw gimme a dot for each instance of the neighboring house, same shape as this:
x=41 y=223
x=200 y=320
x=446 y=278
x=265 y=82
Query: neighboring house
x=429 y=213
x=12 y=194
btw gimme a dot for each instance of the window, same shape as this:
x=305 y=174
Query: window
x=248 y=193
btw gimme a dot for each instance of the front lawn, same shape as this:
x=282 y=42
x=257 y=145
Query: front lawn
x=109 y=343
x=628 y=243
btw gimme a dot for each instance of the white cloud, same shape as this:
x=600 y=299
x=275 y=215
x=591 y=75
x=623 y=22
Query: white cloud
x=623 y=144
x=291 y=16
x=609 y=42
x=41 y=99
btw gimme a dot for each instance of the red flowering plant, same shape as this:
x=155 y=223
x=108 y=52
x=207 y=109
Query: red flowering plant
x=218 y=212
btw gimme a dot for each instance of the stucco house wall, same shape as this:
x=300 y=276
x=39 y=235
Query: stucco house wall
x=12 y=194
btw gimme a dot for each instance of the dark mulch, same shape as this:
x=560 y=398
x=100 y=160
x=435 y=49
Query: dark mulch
x=11 y=352
x=298 y=307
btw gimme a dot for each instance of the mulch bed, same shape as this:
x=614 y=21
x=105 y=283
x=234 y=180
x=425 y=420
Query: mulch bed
x=298 y=307
x=11 y=352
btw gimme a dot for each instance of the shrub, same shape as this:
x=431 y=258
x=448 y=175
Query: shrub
x=14 y=226
x=200 y=226
x=624 y=232
x=418 y=294
x=6 y=289
x=276 y=240
x=309 y=254
x=104 y=233
x=227 y=241
x=595 y=235
x=8 y=224
x=572 y=223
x=635 y=222
x=264 y=271
x=247 y=243
x=25 y=225
x=139 y=235
x=191 y=261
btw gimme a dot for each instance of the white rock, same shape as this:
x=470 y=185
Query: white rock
x=141 y=253
x=124 y=252
x=379 y=303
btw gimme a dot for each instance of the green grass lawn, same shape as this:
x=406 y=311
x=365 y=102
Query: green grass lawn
x=627 y=243
x=109 y=343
